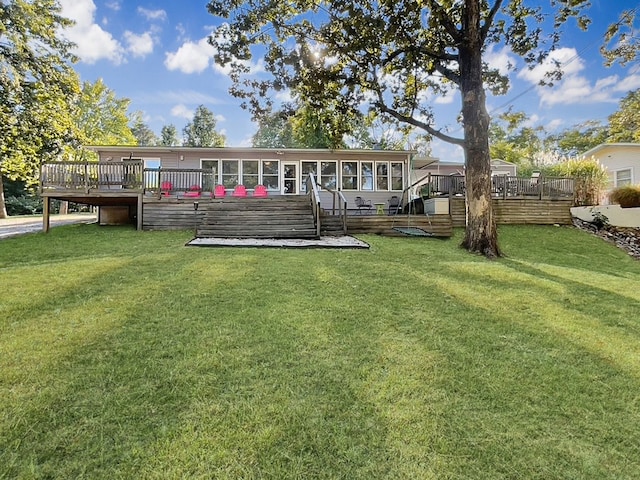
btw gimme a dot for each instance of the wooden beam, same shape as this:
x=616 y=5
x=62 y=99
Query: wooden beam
x=139 y=212
x=46 y=204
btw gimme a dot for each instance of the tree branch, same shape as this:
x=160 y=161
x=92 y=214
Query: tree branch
x=417 y=123
x=445 y=21
x=489 y=21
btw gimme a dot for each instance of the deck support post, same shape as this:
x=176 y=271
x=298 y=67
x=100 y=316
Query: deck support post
x=46 y=204
x=139 y=213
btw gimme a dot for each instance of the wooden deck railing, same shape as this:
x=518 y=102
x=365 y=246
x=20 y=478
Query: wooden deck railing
x=127 y=175
x=503 y=186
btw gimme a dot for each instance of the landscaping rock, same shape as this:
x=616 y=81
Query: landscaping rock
x=625 y=238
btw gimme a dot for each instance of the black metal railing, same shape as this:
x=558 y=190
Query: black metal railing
x=505 y=186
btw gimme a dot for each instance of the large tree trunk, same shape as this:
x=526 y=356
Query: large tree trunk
x=3 y=207
x=481 y=234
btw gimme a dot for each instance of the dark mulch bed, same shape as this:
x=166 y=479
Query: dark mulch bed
x=627 y=239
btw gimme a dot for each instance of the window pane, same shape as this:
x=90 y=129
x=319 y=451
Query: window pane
x=623 y=177
x=396 y=176
x=230 y=173
x=328 y=173
x=270 y=176
x=350 y=175
x=250 y=167
x=382 y=176
x=366 y=181
x=209 y=175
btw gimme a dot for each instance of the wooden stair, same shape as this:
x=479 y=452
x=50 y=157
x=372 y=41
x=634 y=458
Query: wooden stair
x=272 y=217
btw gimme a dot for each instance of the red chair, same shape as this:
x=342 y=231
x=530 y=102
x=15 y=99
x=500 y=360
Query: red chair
x=260 y=191
x=195 y=191
x=165 y=189
x=219 y=191
x=239 y=191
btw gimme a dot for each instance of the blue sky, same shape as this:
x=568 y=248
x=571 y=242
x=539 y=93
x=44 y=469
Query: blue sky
x=155 y=53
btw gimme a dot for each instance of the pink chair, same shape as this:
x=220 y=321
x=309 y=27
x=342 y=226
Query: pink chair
x=219 y=191
x=239 y=191
x=165 y=189
x=195 y=191
x=260 y=191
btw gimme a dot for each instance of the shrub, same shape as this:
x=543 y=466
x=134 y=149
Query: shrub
x=627 y=196
x=590 y=177
x=23 y=205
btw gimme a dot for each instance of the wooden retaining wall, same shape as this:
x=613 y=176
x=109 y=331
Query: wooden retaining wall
x=519 y=212
x=439 y=225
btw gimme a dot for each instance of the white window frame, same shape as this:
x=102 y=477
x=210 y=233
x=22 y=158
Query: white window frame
x=616 y=180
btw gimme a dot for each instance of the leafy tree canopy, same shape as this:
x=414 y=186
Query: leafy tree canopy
x=102 y=117
x=201 y=131
x=144 y=135
x=37 y=88
x=624 y=124
x=169 y=135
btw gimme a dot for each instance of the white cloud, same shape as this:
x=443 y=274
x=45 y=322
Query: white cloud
x=569 y=61
x=115 y=5
x=152 y=14
x=190 y=57
x=632 y=82
x=575 y=88
x=92 y=42
x=139 y=45
x=182 y=111
x=190 y=97
x=554 y=125
x=220 y=118
x=501 y=60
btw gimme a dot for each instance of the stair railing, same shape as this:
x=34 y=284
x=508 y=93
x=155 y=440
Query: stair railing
x=314 y=196
x=341 y=207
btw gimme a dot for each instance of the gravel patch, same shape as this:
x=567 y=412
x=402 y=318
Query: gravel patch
x=323 y=242
x=625 y=238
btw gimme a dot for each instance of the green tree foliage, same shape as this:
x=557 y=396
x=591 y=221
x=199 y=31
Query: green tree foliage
x=622 y=41
x=102 y=117
x=624 y=124
x=275 y=130
x=144 y=135
x=392 y=55
x=169 y=135
x=37 y=88
x=511 y=139
x=580 y=138
x=201 y=131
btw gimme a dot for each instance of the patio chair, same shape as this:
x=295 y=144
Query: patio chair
x=394 y=205
x=195 y=191
x=260 y=191
x=219 y=191
x=239 y=191
x=362 y=203
x=165 y=189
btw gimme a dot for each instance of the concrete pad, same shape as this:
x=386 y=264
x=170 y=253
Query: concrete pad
x=345 y=241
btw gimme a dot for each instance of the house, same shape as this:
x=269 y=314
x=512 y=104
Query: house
x=622 y=161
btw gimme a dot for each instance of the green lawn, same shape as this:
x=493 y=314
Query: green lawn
x=127 y=355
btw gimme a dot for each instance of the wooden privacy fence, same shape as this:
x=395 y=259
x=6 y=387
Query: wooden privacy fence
x=504 y=186
x=127 y=175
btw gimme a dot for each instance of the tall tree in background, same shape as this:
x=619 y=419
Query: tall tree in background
x=37 y=88
x=169 y=136
x=275 y=129
x=102 y=117
x=624 y=124
x=144 y=135
x=201 y=132
x=392 y=55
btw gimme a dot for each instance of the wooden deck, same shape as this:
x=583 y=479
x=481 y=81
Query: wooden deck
x=129 y=184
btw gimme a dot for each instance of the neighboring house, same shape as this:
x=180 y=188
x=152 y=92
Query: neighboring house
x=622 y=161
